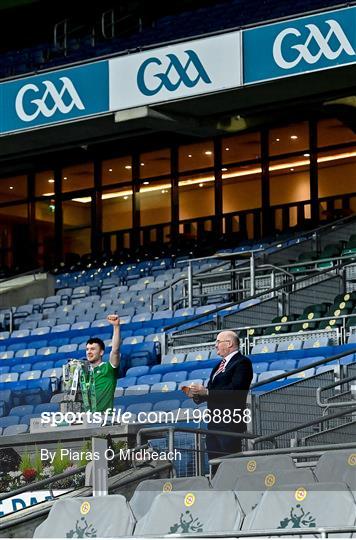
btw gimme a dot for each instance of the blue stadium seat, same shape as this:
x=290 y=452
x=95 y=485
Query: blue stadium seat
x=264 y=348
x=167 y=386
x=21 y=367
x=166 y=405
x=58 y=342
x=292 y=345
x=80 y=325
x=125 y=382
x=285 y=365
x=20 y=333
x=26 y=419
x=28 y=325
x=30 y=375
x=15 y=347
x=176 y=376
x=80 y=339
x=9 y=421
x=173 y=358
x=61 y=328
x=61 y=362
x=71 y=347
x=133 y=340
x=21 y=410
x=40 y=331
x=25 y=353
x=269 y=375
x=197 y=355
x=54 y=372
x=15 y=430
x=46 y=407
x=149 y=379
x=260 y=367
x=200 y=373
x=137 y=371
x=154 y=337
x=39 y=344
x=309 y=360
x=46 y=351
x=9 y=377
x=142 y=317
x=43 y=365
x=316 y=343
x=137 y=389
x=100 y=323
x=135 y=408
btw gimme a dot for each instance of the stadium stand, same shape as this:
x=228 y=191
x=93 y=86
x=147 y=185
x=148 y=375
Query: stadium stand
x=203 y=207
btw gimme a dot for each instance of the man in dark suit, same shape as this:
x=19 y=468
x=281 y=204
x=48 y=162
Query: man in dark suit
x=226 y=395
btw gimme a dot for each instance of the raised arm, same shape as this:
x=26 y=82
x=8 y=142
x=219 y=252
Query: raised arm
x=114 y=358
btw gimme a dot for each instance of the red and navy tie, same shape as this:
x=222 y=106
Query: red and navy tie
x=220 y=368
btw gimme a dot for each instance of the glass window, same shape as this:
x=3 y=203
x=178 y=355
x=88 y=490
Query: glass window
x=44 y=215
x=44 y=183
x=196 y=156
x=116 y=171
x=290 y=138
x=117 y=209
x=332 y=131
x=15 y=243
x=155 y=163
x=13 y=188
x=155 y=202
x=337 y=172
x=241 y=148
x=76 y=225
x=241 y=188
x=196 y=196
x=77 y=177
x=289 y=180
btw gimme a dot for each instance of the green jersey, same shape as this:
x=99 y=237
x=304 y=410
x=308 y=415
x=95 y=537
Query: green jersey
x=105 y=377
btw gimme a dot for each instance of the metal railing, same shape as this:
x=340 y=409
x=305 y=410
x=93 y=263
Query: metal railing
x=283 y=288
x=332 y=405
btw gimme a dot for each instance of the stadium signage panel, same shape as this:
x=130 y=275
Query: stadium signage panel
x=301 y=45
x=177 y=71
x=12 y=504
x=58 y=96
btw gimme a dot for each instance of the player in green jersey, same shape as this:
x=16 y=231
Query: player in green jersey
x=104 y=374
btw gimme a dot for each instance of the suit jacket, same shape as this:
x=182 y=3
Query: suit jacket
x=229 y=389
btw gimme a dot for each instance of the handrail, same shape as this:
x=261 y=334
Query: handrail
x=318 y=420
x=304 y=368
x=332 y=405
x=287 y=323
x=255 y=296
x=158 y=429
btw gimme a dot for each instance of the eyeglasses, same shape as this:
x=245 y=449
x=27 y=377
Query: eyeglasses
x=221 y=341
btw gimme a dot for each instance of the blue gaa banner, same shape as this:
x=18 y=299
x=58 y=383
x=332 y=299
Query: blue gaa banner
x=300 y=45
x=57 y=96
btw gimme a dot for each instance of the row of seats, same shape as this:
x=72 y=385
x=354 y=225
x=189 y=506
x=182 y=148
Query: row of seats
x=330 y=251
x=344 y=304
x=265 y=493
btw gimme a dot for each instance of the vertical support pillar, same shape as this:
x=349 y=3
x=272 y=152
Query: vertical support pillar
x=100 y=468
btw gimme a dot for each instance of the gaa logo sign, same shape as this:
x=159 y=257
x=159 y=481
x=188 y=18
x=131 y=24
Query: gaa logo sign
x=328 y=44
x=46 y=99
x=155 y=74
